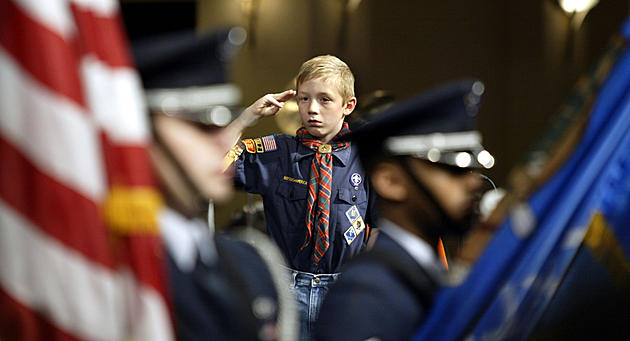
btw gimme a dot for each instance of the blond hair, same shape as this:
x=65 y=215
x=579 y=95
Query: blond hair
x=329 y=68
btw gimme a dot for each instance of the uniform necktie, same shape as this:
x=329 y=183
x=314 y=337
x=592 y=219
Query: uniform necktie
x=320 y=181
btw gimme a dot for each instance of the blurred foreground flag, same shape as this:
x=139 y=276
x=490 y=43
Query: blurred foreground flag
x=80 y=254
x=559 y=265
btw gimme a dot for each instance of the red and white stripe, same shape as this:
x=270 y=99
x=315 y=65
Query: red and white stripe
x=72 y=124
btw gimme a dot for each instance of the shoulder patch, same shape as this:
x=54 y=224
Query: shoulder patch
x=231 y=156
x=259 y=145
x=249 y=145
x=269 y=142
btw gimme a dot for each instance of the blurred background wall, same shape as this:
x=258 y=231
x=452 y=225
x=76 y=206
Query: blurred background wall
x=528 y=53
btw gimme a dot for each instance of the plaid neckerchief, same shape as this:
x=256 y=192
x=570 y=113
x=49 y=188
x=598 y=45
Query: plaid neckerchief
x=319 y=187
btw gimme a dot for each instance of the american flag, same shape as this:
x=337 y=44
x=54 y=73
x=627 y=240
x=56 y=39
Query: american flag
x=80 y=254
x=269 y=142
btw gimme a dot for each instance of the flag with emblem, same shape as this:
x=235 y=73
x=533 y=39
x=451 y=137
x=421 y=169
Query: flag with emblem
x=80 y=254
x=559 y=265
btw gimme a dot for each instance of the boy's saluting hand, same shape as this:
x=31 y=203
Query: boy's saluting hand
x=268 y=105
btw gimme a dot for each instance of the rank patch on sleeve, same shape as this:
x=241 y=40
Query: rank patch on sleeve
x=250 y=147
x=269 y=142
x=352 y=213
x=259 y=145
x=350 y=235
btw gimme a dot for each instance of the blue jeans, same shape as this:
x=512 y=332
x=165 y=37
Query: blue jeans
x=310 y=290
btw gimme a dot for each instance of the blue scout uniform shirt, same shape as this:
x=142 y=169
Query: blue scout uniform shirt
x=278 y=168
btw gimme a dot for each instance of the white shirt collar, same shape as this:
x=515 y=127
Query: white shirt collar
x=185 y=239
x=419 y=249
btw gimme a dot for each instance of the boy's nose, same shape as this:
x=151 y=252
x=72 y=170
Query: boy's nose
x=313 y=107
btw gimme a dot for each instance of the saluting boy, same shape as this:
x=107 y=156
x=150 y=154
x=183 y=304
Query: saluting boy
x=315 y=193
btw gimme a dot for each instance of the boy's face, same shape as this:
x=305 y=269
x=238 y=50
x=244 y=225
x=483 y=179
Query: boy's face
x=322 y=109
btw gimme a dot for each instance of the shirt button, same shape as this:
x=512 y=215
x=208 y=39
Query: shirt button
x=354 y=198
x=317 y=280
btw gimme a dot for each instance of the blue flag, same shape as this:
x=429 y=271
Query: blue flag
x=563 y=255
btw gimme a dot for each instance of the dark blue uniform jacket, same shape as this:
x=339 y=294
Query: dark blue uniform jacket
x=371 y=299
x=215 y=302
x=280 y=175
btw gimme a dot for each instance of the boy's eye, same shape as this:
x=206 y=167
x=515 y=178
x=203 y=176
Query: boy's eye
x=303 y=98
x=325 y=99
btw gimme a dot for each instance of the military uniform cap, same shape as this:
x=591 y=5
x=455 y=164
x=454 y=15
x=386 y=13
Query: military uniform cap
x=437 y=125
x=185 y=73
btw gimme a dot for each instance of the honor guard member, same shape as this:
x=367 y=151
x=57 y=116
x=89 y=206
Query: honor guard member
x=315 y=194
x=421 y=157
x=222 y=288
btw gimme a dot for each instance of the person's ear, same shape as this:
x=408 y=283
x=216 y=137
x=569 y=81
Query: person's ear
x=389 y=181
x=350 y=105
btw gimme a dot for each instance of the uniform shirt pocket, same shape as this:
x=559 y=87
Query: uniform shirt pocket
x=351 y=196
x=292 y=191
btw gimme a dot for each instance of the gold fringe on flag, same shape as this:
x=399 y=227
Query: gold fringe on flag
x=602 y=243
x=133 y=210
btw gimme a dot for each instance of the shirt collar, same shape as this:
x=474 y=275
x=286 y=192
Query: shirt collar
x=342 y=155
x=419 y=249
x=186 y=238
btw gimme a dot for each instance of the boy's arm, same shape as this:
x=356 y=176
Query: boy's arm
x=267 y=105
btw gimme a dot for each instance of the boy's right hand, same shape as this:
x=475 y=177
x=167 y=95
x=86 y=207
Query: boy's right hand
x=267 y=105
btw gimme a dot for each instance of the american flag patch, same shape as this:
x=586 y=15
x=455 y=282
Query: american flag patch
x=269 y=142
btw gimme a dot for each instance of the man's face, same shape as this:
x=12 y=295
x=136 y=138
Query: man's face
x=200 y=153
x=457 y=190
x=322 y=109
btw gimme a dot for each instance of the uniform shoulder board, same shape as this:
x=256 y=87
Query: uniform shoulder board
x=261 y=144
